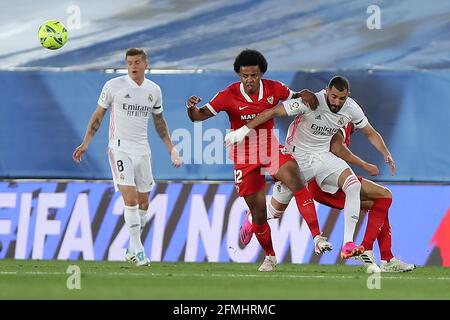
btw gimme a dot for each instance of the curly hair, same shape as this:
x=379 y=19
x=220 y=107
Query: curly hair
x=249 y=57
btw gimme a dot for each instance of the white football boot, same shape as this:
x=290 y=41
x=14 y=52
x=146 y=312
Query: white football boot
x=396 y=265
x=269 y=264
x=141 y=259
x=369 y=261
x=130 y=257
x=321 y=244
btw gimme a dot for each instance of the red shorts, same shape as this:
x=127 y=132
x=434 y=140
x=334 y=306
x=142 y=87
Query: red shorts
x=250 y=178
x=334 y=200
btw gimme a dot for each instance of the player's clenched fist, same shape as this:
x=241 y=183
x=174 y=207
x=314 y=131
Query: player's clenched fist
x=309 y=98
x=193 y=101
x=236 y=136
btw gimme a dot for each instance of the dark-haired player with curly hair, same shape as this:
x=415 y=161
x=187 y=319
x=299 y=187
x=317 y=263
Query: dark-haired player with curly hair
x=243 y=101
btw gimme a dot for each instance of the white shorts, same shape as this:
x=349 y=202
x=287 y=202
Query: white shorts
x=320 y=166
x=131 y=170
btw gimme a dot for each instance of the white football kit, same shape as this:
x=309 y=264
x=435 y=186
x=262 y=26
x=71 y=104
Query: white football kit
x=310 y=134
x=130 y=107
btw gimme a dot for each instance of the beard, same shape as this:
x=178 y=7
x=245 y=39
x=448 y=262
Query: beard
x=333 y=108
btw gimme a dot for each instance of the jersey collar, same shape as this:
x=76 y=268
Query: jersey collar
x=132 y=83
x=247 y=97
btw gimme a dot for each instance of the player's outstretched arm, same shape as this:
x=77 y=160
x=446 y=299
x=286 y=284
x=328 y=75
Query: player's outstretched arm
x=266 y=115
x=340 y=149
x=194 y=113
x=239 y=134
x=377 y=141
x=92 y=127
x=163 y=132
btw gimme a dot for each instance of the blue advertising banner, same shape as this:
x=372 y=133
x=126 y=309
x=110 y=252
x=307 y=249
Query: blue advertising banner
x=199 y=222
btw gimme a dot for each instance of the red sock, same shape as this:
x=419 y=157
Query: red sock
x=385 y=241
x=377 y=216
x=305 y=205
x=263 y=234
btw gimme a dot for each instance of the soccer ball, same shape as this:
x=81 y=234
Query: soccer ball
x=52 y=34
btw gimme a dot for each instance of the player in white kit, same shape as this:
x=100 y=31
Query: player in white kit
x=309 y=142
x=131 y=100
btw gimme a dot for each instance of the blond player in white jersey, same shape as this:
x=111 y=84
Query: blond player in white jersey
x=131 y=100
x=309 y=142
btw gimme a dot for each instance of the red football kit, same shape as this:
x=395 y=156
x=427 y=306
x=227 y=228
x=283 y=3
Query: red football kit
x=261 y=150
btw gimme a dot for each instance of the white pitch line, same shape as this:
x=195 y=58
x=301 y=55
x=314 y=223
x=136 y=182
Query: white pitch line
x=229 y=275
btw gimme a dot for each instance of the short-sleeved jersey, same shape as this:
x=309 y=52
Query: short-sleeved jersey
x=130 y=107
x=312 y=130
x=241 y=107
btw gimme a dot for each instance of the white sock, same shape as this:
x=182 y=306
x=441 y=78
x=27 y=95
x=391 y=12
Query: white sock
x=143 y=218
x=352 y=189
x=133 y=222
x=273 y=213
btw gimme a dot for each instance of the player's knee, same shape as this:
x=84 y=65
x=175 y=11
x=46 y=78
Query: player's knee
x=130 y=196
x=294 y=183
x=380 y=193
x=130 y=202
x=143 y=204
x=130 y=199
x=386 y=193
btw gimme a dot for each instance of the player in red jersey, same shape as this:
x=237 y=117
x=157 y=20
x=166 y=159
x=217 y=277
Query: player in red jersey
x=243 y=101
x=371 y=196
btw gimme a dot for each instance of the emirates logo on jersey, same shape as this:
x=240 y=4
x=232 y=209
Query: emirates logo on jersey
x=323 y=130
x=270 y=99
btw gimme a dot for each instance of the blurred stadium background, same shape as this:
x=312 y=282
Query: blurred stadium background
x=400 y=73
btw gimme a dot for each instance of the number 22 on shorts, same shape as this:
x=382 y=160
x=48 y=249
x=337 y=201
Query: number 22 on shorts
x=238 y=176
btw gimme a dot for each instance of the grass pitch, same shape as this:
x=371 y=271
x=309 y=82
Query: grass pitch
x=31 y=279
